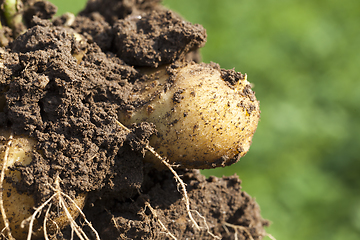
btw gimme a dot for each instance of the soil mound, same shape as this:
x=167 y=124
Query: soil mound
x=65 y=91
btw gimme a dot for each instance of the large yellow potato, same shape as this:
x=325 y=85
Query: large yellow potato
x=202 y=121
x=19 y=206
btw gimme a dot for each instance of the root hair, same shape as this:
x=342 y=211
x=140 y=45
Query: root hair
x=61 y=196
x=236 y=229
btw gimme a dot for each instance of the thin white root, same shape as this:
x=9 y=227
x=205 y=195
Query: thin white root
x=2 y=176
x=182 y=184
x=78 y=230
x=33 y=216
x=236 y=228
x=159 y=221
x=178 y=179
x=82 y=214
x=153 y=211
x=44 y=224
x=206 y=225
x=59 y=195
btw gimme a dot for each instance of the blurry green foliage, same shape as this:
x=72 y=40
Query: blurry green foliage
x=303 y=58
x=73 y=6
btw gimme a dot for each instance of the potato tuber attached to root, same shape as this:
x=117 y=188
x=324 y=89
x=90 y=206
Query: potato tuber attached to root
x=19 y=207
x=202 y=120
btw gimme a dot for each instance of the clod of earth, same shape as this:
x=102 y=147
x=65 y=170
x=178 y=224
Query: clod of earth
x=67 y=86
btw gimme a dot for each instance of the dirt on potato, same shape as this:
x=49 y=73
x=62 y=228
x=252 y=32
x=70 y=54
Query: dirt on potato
x=66 y=93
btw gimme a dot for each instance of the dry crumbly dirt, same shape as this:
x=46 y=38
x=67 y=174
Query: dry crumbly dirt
x=70 y=106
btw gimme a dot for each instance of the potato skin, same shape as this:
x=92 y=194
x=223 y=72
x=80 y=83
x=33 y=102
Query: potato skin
x=202 y=121
x=19 y=206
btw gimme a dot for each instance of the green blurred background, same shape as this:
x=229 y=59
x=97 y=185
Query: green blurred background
x=303 y=58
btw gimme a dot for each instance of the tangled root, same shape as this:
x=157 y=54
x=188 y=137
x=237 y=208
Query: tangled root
x=60 y=197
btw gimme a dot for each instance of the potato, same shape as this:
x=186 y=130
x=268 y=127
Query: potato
x=19 y=206
x=202 y=120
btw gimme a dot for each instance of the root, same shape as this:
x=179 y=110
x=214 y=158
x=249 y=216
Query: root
x=206 y=225
x=60 y=196
x=182 y=184
x=152 y=210
x=179 y=181
x=242 y=228
x=236 y=228
x=44 y=225
x=2 y=176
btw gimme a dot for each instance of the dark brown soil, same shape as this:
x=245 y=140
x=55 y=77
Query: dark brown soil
x=220 y=201
x=70 y=107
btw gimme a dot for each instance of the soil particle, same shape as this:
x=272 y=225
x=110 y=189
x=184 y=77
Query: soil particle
x=177 y=96
x=231 y=76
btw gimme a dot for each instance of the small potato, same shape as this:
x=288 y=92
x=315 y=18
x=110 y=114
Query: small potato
x=202 y=120
x=19 y=206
